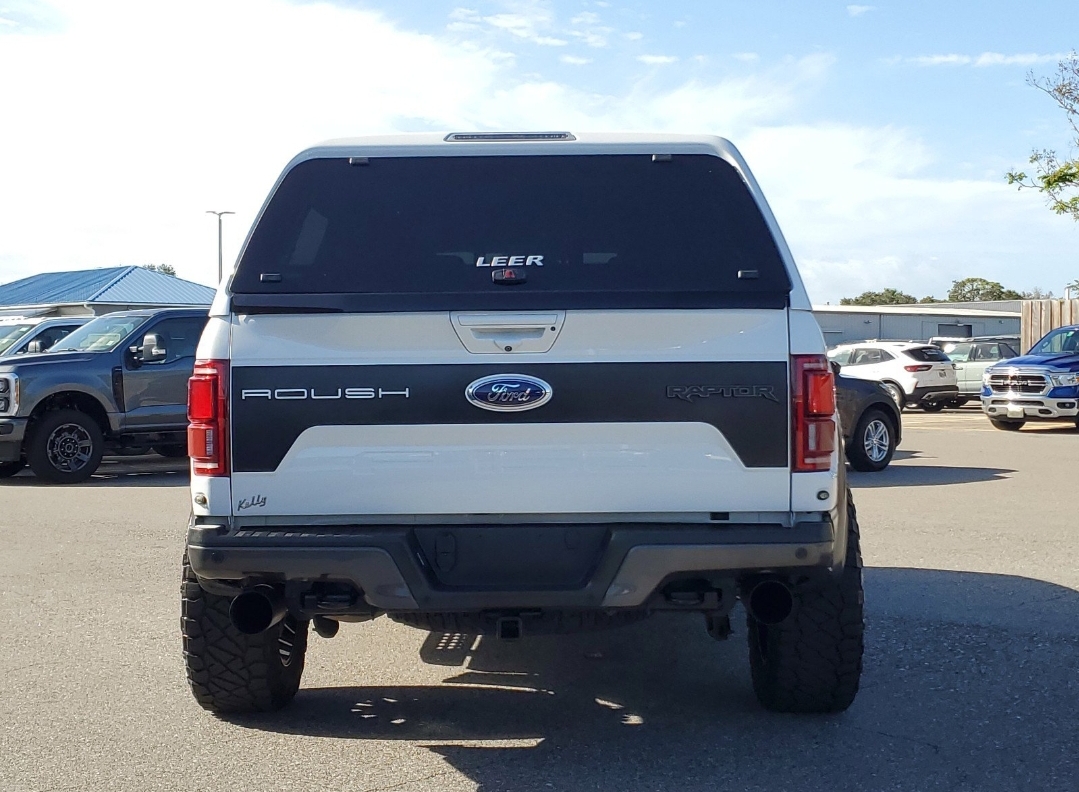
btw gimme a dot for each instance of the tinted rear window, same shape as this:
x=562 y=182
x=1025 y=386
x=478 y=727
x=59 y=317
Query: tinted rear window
x=927 y=354
x=422 y=233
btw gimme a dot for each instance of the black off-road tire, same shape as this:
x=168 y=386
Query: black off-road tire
x=65 y=447
x=9 y=469
x=874 y=435
x=812 y=661
x=173 y=451
x=1007 y=426
x=230 y=672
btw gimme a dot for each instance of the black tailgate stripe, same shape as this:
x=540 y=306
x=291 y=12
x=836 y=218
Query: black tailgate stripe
x=747 y=402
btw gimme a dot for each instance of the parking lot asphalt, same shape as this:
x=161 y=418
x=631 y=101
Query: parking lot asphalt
x=972 y=598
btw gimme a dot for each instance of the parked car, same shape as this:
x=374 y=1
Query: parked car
x=1042 y=385
x=912 y=372
x=117 y=383
x=24 y=336
x=940 y=341
x=870 y=420
x=971 y=359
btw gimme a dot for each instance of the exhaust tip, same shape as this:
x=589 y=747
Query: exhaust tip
x=770 y=602
x=256 y=610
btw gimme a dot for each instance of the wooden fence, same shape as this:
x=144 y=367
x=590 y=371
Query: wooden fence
x=1041 y=316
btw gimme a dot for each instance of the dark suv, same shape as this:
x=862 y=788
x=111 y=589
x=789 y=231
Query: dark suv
x=869 y=419
x=117 y=383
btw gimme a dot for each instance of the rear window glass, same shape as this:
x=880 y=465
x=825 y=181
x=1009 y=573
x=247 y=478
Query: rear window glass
x=927 y=354
x=436 y=233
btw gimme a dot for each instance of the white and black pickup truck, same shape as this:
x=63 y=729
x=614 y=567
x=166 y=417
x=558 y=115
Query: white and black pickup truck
x=516 y=384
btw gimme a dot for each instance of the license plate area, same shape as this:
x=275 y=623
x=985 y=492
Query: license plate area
x=510 y=557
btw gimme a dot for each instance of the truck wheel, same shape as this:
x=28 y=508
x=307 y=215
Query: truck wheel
x=174 y=451
x=9 y=469
x=812 y=661
x=873 y=442
x=65 y=447
x=230 y=672
x=1007 y=426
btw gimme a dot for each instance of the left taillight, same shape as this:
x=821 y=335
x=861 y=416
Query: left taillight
x=812 y=413
x=207 y=415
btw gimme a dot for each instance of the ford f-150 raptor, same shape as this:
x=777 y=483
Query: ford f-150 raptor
x=516 y=384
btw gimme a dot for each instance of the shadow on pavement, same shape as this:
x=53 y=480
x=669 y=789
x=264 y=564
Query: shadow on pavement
x=925 y=476
x=968 y=685
x=150 y=470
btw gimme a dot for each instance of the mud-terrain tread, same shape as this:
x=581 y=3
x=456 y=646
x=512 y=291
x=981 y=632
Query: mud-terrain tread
x=230 y=672
x=812 y=661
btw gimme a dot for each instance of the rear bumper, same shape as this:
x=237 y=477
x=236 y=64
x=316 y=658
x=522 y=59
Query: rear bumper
x=933 y=393
x=12 y=432
x=454 y=568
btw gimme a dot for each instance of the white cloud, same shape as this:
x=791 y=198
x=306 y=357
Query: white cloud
x=585 y=18
x=125 y=135
x=862 y=209
x=859 y=10
x=575 y=60
x=657 y=60
x=634 y=35
x=985 y=59
x=110 y=164
x=526 y=26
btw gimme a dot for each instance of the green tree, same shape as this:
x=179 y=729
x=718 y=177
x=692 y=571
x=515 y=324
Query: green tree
x=978 y=289
x=1057 y=177
x=164 y=269
x=886 y=297
x=929 y=299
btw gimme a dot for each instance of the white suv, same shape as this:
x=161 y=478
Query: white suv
x=914 y=373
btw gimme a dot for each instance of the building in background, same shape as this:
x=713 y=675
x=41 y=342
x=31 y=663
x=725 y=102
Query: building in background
x=844 y=323
x=99 y=291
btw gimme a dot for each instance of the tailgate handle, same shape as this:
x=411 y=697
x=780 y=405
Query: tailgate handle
x=503 y=321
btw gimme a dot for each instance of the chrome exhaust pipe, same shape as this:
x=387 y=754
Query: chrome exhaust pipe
x=257 y=609
x=770 y=602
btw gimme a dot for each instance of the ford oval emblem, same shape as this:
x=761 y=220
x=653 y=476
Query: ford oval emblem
x=508 y=393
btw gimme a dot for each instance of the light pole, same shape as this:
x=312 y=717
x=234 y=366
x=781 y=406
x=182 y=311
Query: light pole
x=219 y=262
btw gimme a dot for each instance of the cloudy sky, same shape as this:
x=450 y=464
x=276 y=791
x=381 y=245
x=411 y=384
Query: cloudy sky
x=880 y=132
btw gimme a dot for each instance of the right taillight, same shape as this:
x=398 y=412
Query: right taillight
x=912 y=369
x=207 y=413
x=812 y=412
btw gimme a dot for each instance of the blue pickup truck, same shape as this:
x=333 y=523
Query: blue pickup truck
x=1042 y=385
